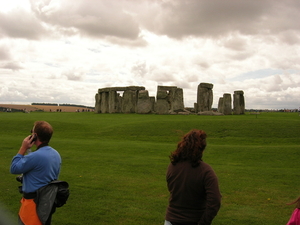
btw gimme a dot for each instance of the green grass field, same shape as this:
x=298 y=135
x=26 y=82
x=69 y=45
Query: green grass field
x=116 y=164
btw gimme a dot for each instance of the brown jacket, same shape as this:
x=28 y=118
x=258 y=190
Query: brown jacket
x=194 y=193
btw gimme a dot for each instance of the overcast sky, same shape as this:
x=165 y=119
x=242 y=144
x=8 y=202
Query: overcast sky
x=62 y=51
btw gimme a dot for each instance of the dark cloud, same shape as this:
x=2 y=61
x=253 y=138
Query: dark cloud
x=237 y=44
x=20 y=24
x=290 y=37
x=92 y=18
x=212 y=18
x=11 y=65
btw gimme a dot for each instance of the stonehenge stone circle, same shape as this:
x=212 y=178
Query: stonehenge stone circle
x=135 y=99
x=169 y=100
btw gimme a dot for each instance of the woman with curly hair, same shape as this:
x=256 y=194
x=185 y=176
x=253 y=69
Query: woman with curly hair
x=195 y=198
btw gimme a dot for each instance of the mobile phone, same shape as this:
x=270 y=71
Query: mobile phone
x=34 y=138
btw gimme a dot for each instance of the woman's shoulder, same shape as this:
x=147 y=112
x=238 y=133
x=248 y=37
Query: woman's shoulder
x=205 y=166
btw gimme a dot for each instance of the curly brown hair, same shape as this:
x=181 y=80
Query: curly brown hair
x=190 y=148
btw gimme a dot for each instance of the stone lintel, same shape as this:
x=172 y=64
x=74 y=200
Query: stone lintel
x=130 y=88
x=239 y=92
x=166 y=88
x=206 y=85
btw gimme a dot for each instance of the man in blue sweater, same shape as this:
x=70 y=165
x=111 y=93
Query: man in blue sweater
x=39 y=168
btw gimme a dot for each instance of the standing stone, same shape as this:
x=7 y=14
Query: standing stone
x=177 y=101
x=227 y=106
x=238 y=103
x=113 y=101
x=119 y=103
x=144 y=104
x=169 y=100
x=204 y=97
x=220 y=105
x=104 y=102
x=129 y=101
x=162 y=105
x=174 y=98
x=97 y=103
x=152 y=100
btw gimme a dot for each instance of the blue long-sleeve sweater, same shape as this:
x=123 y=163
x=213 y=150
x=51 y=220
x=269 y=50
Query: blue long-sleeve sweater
x=38 y=168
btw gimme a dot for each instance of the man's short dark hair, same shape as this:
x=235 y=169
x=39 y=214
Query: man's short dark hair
x=43 y=130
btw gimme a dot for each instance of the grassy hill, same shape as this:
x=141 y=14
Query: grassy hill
x=116 y=163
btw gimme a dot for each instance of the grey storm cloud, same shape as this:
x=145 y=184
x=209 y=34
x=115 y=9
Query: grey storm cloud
x=238 y=44
x=218 y=17
x=97 y=18
x=20 y=24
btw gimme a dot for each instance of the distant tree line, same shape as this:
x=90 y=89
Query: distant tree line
x=74 y=105
x=51 y=104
